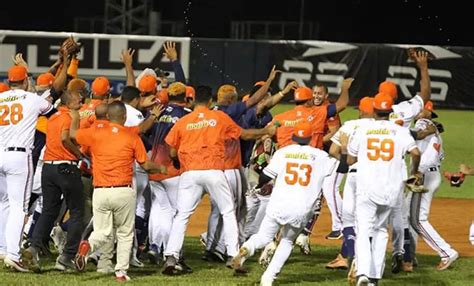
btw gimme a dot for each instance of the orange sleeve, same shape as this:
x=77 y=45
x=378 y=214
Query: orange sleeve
x=140 y=151
x=84 y=137
x=173 y=137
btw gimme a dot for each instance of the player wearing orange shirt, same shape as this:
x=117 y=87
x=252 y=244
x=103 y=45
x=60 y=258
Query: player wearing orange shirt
x=100 y=91
x=198 y=142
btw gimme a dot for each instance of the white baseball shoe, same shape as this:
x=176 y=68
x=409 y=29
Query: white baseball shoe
x=267 y=254
x=15 y=265
x=121 y=276
x=238 y=260
x=303 y=242
x=447 y=261
x=266 y=281
x=362 y=281
x=58 y=235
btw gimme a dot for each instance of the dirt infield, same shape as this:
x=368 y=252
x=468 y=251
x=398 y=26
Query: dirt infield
x=451 y=217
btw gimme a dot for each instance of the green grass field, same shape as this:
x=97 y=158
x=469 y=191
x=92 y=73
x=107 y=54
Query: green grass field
x=458 y=140
x=300 y=270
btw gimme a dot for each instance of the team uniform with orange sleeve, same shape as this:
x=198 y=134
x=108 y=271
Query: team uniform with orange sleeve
x=199 y=139
x=114 y=150
x=315 y=115
x=19 y=111
x=87 y=113
x=164 y=187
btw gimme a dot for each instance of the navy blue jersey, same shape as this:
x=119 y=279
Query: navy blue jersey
x=251 y=120
x=234 y=110
x=159 y=131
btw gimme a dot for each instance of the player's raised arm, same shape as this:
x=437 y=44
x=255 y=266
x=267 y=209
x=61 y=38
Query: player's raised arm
x=253 y=134
x=262 y=91
x=275 y=99
x=343 y=99
x=421 y=59
x=127 y=59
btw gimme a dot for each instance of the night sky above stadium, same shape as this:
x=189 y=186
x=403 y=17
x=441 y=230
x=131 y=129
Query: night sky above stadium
x=362 y=21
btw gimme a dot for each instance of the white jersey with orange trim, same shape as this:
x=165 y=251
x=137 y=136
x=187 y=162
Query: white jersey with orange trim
x=431 y=147
x=380 y=148
x=19 y=111
x=404 y=112
x=299 y=172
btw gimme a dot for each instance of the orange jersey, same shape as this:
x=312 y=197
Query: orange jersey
x=316 y=115
x=114 y=150
x=200 y=137
x=87 y=113
x=57 y=124
x=233 y=157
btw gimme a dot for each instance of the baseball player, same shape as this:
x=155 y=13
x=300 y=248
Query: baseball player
x=299 y=171
x=468 y=171
x=198 y=140
x=347 y=252
x=403 y=114
x=19 y=111
x=164 y=187
x=379 y=148
x=432 y=153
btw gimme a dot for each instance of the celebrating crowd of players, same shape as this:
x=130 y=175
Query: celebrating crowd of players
x=119 y=176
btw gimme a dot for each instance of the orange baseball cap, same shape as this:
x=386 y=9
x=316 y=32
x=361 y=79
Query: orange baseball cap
x=383 y=102
x=77 y=84
x=4 y=87
x=389 y=88
x=366 y=105
x=162 y=96
x=190 y=92
x=17 y=73
x=303 y=93
x=302 y=133
x=45 y=79
x=147 y=84
x=100 y=86
x=429 y=106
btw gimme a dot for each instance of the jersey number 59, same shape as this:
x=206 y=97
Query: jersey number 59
x=15 y=112
x=380 y=149
x=298 y=173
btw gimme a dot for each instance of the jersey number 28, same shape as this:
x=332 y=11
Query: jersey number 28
x=15 y=112
x=298 y=173
x=380 y=149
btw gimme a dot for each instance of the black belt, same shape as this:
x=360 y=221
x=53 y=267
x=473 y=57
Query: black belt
x=352 y=170
x=15 y=149
x=433 y=169
x=108 y=187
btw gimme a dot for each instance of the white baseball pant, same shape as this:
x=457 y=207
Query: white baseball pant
x=16 y=182
x=371 y=221
x=268 y=229
x=214 y=237
x=140 y=182
x=333 y=198
x=164 y=195
x=349 y=200
x=256 y=209
x=192 y=185
x=419 y=212
x=399 y=222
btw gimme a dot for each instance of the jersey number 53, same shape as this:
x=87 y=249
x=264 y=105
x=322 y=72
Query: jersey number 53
x=13 y=114
x=298 y=173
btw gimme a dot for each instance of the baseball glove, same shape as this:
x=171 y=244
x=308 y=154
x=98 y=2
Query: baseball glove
x=415 y=184
x=455 y=179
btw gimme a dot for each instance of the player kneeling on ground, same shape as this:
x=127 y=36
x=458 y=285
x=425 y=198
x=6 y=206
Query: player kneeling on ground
x=293 y=199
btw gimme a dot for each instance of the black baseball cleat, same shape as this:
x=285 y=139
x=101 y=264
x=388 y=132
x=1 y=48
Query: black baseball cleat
x=397 y=261
x=334 y=235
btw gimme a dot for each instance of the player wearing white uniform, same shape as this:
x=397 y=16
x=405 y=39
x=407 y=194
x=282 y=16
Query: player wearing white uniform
x=299 y=171
x=19 y=111
x=431 y=148
x=403 y=114
x=366 y=111
x=379 y=148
